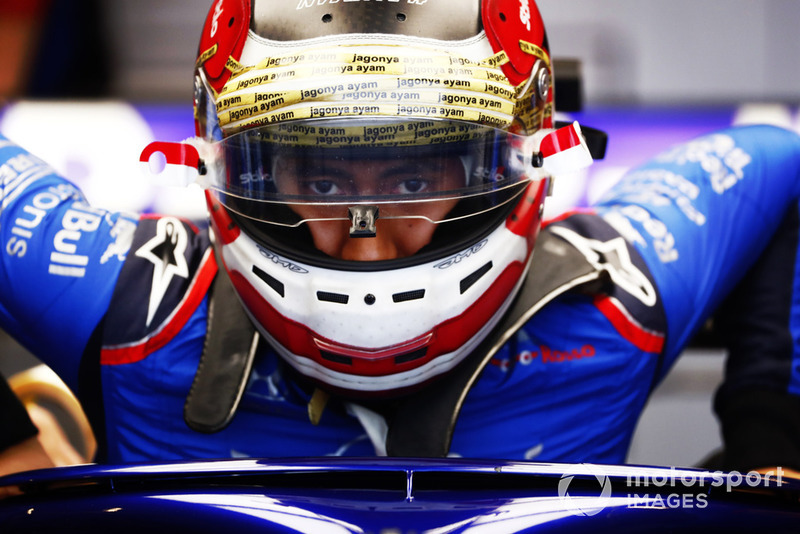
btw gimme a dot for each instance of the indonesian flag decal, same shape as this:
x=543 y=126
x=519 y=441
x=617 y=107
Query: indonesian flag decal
x=565 y=151
x=176 y=163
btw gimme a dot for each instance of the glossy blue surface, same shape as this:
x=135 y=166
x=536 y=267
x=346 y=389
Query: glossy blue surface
x=392 y=495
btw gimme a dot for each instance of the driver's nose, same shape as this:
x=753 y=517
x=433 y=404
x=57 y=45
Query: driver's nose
x=394 y=238
x=383 y=246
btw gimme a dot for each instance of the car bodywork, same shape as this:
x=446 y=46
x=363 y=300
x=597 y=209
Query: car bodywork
x=389 y=495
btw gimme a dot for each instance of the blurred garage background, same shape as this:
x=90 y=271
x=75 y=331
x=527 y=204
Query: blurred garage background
x=86 y=85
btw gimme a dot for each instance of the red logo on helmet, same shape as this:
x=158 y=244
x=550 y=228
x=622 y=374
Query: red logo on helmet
x=215 y=18
x=507 y=22
x=525 y=14
x=223 y=38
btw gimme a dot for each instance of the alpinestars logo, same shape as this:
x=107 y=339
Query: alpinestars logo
x=612 y=256
x=165 y=251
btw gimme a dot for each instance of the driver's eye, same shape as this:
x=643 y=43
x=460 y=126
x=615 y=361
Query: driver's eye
x=413 y=186
x=323 y=187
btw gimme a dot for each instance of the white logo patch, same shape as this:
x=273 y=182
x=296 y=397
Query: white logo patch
x=612 y=256
x=718 y=155
x=122 y=232
x=165 y=252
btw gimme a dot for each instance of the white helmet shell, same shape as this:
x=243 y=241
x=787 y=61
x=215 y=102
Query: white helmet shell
x=374 y=328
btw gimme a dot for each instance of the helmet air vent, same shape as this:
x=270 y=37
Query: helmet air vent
x=337 y=298
x=409 y=295
x=411 y=356
x=336 y=358
x=468 y=281
x=271 y=281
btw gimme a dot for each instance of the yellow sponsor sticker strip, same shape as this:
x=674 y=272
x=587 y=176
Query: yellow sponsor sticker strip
x=534 y=50
x=437 y=74
x=366 y=59
x=332 y=110
x=370 y=80
x=377 y=55
x=234 y=66
x=205 y=56
x=233 y=108
x=374 y=88
x=497 y=60
x=399 y=134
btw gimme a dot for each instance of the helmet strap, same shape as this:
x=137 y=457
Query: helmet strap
x=228 y=353
x=423 y=423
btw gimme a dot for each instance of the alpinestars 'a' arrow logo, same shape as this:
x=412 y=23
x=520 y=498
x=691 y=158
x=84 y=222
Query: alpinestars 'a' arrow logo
x=612 y=256
x=165 y=251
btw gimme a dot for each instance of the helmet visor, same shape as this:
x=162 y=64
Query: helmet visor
x=437 y=170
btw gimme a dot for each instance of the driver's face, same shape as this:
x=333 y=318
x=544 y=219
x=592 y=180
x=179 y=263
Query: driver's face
x=334 y=178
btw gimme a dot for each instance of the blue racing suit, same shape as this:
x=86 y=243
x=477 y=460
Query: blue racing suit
x=78 y=289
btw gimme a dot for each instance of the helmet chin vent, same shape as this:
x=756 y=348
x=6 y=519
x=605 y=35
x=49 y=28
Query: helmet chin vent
x=271 y=281
x=336 y=358
x=399 y=359
x=411 y=356
x=409 y=295
x=337 y=298
x=469 y=280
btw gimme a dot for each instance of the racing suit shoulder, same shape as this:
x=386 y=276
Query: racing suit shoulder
x=629 y=298
x=163 y=281
x=699 y=212
x=59 y=263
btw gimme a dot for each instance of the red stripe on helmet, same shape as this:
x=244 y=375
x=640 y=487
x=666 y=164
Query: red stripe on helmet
x=225 y=229
x=526 y=218
x=443 y=339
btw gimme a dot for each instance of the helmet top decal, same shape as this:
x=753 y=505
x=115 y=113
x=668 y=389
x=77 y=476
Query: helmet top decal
x=375 y=80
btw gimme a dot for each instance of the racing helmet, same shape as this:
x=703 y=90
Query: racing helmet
x=373 y=175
